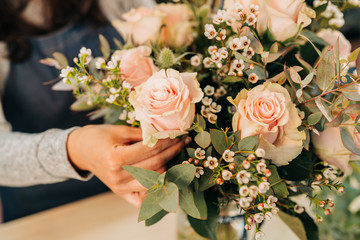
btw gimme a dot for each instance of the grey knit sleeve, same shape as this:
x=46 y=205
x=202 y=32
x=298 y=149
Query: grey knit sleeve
x=29 y=159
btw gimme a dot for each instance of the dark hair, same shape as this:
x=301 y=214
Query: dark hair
x=16 y=31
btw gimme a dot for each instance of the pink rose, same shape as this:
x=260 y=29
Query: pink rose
x=282 y=18
x=136 y=65
x=329 y=147
x=177 y=31
x=141 y=24
x=165 y=104
x=267 y=110
x=331 y=36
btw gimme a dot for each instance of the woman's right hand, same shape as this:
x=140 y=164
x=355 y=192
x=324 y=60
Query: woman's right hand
x=104 y=149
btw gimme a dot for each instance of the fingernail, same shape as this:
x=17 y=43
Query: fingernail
x=188 y=140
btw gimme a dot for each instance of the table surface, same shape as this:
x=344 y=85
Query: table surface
x=106 y=217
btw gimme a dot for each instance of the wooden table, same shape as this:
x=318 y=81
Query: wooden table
x=103 y=217
x=106 y=217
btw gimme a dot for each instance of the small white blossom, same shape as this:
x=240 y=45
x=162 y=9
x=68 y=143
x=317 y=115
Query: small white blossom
x=132 y=117
x=228 y=155
x=207 y=101
x=199 y=172
x=275 y=211
x=264 y=187
x=259 y=235
x=230 y=20
x=244 y=191
x=200 y=153
x=210 y=31
x=221 y=91
x=219 y=17
x=215 y=108
x=207 y=62
x=238 y=64
x=254 y=9
x=329 y=174
x=244 y=42
x=195 y=60
x=251 y=19
x=226 y=174
x=221 y=35
x=216 y=57
x=235 y=44
x=246 y=164
x=111 y=65
x=244 y=202
x=212 y=49
x=209 y=90
x=212 y=118
x=205 y=111
x=253 y=78
x=298 y=209
x=260 y=152
x=249 y=52
x=66 y=71
x=123 y=115
x=100 y=63
x=211 y=162
x=237 y=8
x=253 y=191
x=243 y=177
x=271 y=201
x=223 y=52
x=259 y=217
x=261 y=167
x=112 y=98
x=85 y=51
x=126 y=85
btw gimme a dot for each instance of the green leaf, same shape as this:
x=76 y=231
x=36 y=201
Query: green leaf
x=343 y=116
x=157 y=217
x=182 y=175
x=81 y=105
x=232 y=79
x=278 y=186
x=348 y=141
x=201 y=121
x=259 y=72
x=191 y=152
x=324 y=109
x=308 y=79
x=218 y=139
x=326 y=71
x=234 y=139
x=351 y=93
x=207 y=228
x=203 y=139
x=104 y=46
x=354 y=55
x=294 y=224
x=206 y=181
x=314 y=118
x=61 y=59
x=249 y=143
x=245 y=59
x=358 y=63
x=168 y=197
x=145 y=177
x=149 y=207
x=188 y=200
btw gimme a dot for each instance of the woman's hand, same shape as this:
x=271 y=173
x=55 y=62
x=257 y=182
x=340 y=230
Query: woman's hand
x=104 y=149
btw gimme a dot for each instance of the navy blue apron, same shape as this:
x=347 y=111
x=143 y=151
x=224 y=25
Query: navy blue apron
x=32 y=107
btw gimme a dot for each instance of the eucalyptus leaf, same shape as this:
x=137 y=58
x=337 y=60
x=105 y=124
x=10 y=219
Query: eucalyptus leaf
x=351 y=93
x=294 y=224
x=352 y=110
x=277 y=185
x=61 y=59
x=348 y=141
x=324 y=109
x=168 y=197
x=149 y=207
x=326 y=71
x=358 y=64
x=307 y=79
x=187 y=203
x=201 y=121
x=182 y=175
x=232 y=79
x=191 y=152
x=249 y=143
x=156 y=218
x=314 y=118
x=206 y=181
x=235 y=138
x=104 y=46
x=147 y=178
x=354 y=55
x=200 y=203
x=203 y=139
x=218 y=139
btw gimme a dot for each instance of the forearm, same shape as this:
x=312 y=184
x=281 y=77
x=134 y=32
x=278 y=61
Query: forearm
x=29 y=159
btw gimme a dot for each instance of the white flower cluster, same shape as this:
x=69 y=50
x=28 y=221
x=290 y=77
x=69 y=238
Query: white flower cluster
x=355 y=3
x=332 y=13
x=210 y=108
x=110 y=65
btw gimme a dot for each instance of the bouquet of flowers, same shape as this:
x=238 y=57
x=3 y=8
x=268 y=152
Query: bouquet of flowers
x=267 y=90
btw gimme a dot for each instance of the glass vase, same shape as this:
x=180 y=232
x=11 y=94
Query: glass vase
x=231 y=226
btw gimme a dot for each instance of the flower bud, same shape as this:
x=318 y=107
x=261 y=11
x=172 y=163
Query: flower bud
x=327 y=212
x=166 y=58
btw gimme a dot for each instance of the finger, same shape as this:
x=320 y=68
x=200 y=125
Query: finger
x=129 y=134
x=160 y=160
x=139 y=151
x=135 y=198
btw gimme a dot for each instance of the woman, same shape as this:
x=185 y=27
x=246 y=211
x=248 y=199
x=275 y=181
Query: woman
x=44 y=147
